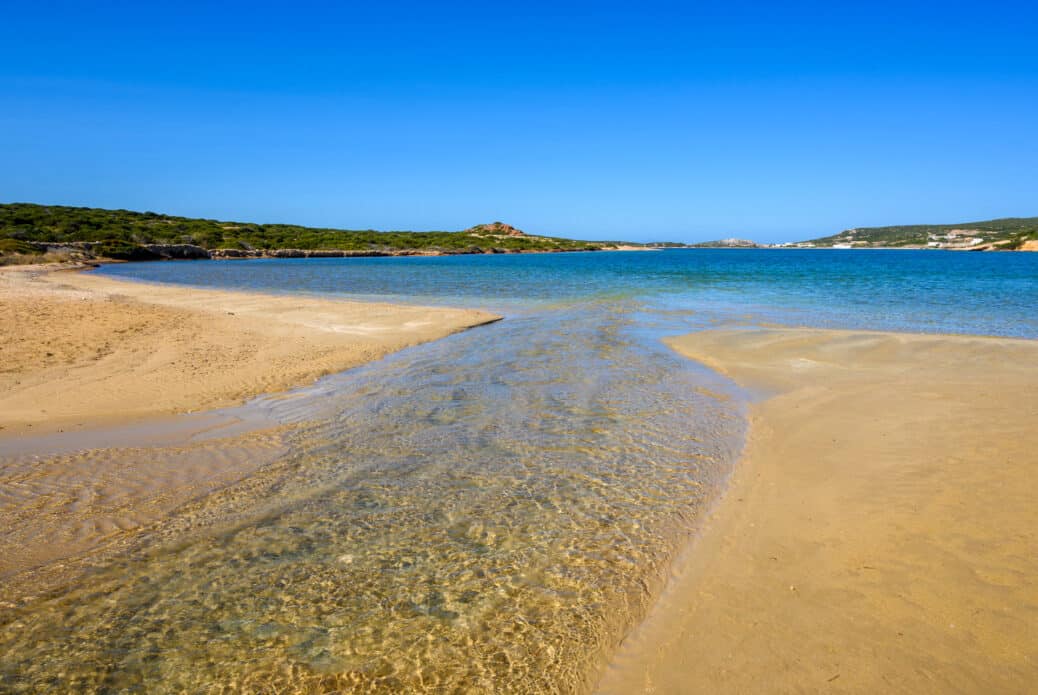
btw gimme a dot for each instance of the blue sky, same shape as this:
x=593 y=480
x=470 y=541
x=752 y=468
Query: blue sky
x=642 y=121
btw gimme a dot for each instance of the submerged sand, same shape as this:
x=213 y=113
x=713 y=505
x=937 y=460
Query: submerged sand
x=881 y=534
x=81 y=350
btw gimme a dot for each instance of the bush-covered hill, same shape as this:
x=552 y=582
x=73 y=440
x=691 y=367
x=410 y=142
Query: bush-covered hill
x=1008 y=232
x=125 y=230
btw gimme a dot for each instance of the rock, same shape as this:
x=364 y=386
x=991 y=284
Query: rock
x=234 y=253
x=178 y=251
x=495 y=229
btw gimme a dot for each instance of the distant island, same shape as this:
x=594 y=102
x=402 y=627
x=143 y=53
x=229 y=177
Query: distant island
x=30 y=232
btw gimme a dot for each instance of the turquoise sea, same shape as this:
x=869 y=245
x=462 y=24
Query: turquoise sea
x=982 y=293
x=490 y=512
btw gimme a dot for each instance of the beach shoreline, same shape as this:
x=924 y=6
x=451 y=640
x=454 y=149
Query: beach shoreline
x=97 y=379
x=83 y=351
x=877 y=534
x=727 y=624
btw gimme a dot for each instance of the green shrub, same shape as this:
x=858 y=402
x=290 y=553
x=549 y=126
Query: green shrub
x=16 y=246
x=56 y=223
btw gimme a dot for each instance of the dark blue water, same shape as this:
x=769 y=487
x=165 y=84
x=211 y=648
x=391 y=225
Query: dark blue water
x=929 y=291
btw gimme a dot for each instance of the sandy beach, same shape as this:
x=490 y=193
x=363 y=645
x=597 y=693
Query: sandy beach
x=880 y=533
x=81 y=350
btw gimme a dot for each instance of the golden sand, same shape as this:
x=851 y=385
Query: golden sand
x=881 y=534
x=80 y=350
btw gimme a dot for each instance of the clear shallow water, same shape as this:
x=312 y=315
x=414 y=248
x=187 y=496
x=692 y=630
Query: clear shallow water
x=489 y=512
x=983 y=293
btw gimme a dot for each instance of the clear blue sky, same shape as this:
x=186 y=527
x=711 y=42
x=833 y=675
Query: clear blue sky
x=772 y=121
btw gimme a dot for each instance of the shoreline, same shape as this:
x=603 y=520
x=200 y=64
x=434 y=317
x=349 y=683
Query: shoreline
x=1028 y=247
x=876 y=535
x=83 y=351
x=97 y=381
x=83 y=253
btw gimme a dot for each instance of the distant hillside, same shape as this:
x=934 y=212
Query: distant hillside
x=142 y=235
x=1005 y=233
x=495 y=229
x=727 y=244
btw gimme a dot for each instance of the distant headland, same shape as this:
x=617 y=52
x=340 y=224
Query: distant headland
x=1004 y=234
x=30 y=232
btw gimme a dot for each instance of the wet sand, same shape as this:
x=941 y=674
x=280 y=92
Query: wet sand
x=880 y=534
x=82 y=356
x=61 y=515
x=81 y=350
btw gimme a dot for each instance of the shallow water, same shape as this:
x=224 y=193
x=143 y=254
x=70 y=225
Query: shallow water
x=489 y=512
x=930 y=291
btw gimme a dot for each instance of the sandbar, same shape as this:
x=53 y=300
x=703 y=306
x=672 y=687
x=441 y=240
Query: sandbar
x=880 y=534
x=80 y=350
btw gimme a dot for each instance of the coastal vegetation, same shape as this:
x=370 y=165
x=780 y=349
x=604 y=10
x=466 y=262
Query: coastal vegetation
x=27 y=228
x=17 y=252
x=1007 y=233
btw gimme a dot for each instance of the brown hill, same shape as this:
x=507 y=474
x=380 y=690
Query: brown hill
x=495 y=229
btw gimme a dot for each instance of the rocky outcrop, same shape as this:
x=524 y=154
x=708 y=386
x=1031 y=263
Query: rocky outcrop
x=495 y=229
x=324 y=253
x=178 y=251
x=145 y=252
x=235 y=253
x=64 y=247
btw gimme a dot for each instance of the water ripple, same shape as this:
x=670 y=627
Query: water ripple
x=489 y=512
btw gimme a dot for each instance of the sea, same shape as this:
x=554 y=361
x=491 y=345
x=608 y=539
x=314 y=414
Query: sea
x=489 y=512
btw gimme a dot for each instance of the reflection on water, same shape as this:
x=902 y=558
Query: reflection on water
x=488 y=512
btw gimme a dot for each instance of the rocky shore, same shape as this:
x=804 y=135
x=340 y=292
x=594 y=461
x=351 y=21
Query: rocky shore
x=369 y=253
x=86 y=250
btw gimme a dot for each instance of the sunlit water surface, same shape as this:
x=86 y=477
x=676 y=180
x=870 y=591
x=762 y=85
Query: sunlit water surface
x=489 y=512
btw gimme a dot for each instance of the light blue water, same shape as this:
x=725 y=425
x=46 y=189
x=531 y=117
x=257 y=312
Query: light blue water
x=490 y=512
x=982 y=293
